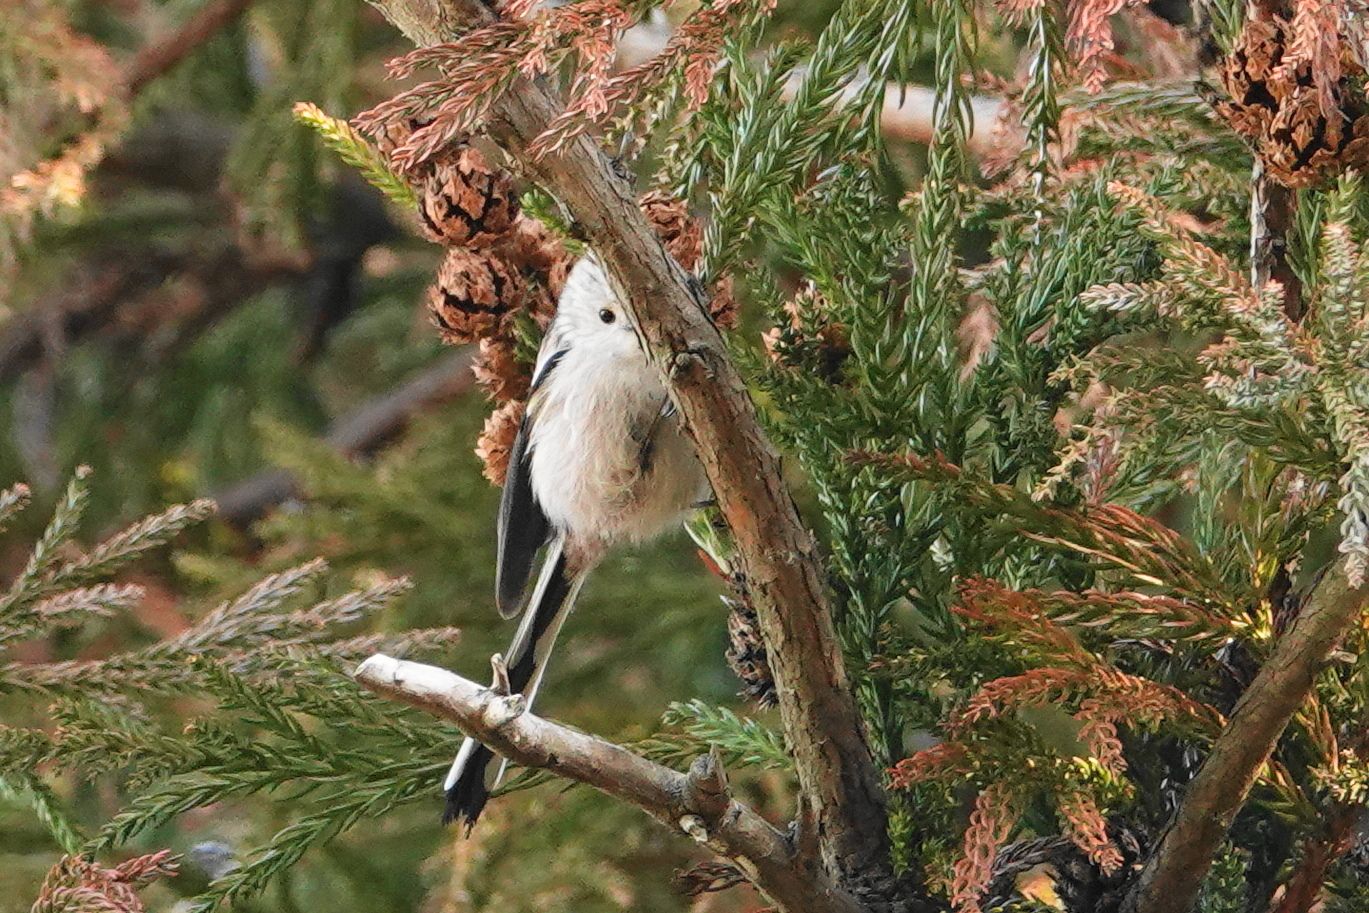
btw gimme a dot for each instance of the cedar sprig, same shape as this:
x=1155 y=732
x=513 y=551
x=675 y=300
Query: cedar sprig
x=50 y=591
x=274 y=674
x=355 y=150
x=1262 y=364
x=1110 y=615
x=235 y=632
x=689 y=59
x=1112 y=537
x=743 y=741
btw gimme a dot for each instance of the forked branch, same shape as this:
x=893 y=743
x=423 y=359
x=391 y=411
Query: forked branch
x=697 y=803
x=1172 y=877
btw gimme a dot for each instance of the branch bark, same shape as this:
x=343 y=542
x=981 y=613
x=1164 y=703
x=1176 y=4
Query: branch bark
x=777 y=553
x=1172 y=877
x=698 y=803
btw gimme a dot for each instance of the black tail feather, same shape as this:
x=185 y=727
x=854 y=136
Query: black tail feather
x=467 y=796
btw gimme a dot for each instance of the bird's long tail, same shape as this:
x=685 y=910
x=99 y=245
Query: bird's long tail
x=552 y=600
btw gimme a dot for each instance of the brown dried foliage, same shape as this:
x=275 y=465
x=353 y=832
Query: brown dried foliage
x=991 y=822
x=530 y=43
x=1088 y=33
x=1087 y=829
x=707 y=878
x=692 y=52
x=78 y=885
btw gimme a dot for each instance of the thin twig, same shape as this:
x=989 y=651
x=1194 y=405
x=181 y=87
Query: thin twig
x=1172 y=877
x=776 y=551
x=697 y=804
x=1272 y=207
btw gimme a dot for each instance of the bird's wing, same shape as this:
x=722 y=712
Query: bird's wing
x=523 y=527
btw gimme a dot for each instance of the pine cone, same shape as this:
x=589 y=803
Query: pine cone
x=533 y=247
x=496 y=439
x=746 y=654
x=466 y=202
x=1277 y=101
x=499 y=371
x=474 y=295
x=681 y=235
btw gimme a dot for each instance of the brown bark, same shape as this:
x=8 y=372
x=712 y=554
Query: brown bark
x=1174 y=874
x=777 y=553
x=697 y=803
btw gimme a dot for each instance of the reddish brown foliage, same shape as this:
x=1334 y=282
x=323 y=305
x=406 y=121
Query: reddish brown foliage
x=78 y=885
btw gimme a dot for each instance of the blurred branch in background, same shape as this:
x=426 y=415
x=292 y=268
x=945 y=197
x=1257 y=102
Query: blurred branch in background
x=161 y=54
x=357 y=433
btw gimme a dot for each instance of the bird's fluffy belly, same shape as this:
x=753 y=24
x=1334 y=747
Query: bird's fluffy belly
x=587 y=467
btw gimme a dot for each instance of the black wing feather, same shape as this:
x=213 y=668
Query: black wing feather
x=523 y=527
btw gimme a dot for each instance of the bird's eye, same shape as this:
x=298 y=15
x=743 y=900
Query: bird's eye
x=607 y=316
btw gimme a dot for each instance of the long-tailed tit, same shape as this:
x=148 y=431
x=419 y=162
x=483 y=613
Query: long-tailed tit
x=600 y=459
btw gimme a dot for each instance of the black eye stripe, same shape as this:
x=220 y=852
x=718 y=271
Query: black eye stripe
x=607 y=316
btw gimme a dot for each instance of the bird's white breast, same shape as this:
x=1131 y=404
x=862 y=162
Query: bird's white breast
x=591 y=420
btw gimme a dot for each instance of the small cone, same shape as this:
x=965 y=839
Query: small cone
x=498 y=370
x=474 y=295
x=466 y=202
x=681 y=235
x=747 y=657
x=496 y=440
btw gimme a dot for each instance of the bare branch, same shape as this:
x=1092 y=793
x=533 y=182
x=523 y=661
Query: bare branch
x=1172 y=877
x=777 y=553
x=1272 y=209
x=697 y=803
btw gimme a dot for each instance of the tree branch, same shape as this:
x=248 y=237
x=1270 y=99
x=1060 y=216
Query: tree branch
x=697 y=803
x=777 y=553
x=158 y=57
x=1172 y=877
x=1272 y=207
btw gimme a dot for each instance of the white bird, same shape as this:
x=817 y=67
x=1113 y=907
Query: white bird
x=600 y=459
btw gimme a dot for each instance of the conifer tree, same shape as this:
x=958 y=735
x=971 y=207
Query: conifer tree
x=1059 y=592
